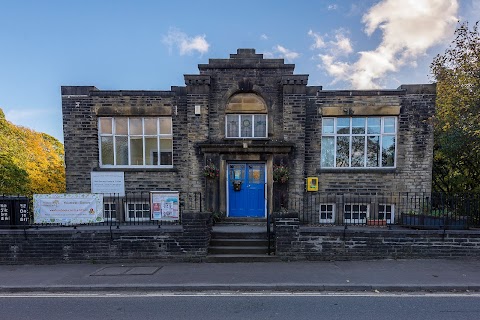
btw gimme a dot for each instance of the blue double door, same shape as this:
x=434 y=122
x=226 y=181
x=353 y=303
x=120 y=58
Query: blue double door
x=246 y=190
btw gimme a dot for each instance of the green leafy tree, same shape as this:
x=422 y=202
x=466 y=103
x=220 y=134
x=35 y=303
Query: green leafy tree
x=30 y=162
x=14 y=180
x=457 y=123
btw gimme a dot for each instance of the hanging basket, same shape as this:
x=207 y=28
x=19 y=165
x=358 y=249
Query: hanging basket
x=281 y=173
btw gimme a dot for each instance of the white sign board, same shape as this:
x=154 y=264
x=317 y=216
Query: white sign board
x=108 y=183
x=68 y=208
x=164 y=205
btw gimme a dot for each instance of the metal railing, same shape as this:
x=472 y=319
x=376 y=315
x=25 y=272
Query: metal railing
x=131 y=209
x=422 y=210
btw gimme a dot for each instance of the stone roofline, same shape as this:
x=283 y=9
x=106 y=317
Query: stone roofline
x=310 y=90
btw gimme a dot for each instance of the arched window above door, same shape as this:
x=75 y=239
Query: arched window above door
x=246 y=103
x=246 y=116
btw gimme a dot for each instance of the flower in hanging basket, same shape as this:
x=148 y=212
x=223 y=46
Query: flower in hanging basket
x=280 y=173
x=210 y=171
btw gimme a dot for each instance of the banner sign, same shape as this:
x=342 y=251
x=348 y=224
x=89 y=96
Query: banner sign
x=68 y=208
x=108 y=183
x=164 y=205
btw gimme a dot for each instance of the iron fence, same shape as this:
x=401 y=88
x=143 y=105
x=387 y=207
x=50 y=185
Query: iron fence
x=420 y=210
x=131 y=209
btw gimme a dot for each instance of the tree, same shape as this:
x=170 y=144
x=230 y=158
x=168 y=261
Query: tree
x=30 y=162
x=14 y=180
x=456 y=165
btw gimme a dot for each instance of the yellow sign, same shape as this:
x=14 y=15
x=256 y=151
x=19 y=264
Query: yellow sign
x=312 y=184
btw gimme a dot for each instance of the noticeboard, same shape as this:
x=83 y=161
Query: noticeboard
x=164 y=205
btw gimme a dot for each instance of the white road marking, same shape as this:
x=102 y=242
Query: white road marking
x=237 y=294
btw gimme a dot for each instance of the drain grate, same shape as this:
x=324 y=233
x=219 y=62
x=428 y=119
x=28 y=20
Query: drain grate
x=122 y=271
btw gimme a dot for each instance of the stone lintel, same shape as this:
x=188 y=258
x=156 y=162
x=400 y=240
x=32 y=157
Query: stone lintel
x=247 y=147
x=359 y=111
x=132 y=93
x=101 y=111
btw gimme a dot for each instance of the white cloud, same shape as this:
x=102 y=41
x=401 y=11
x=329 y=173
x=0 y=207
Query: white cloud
x=264 y=36
x=318 y=40
x=332 y=7
x=280 y=51
x=342 y=44
x=409 y=28
x=184 y=43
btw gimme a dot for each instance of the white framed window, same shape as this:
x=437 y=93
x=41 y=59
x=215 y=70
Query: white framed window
x=327 y=213
x=356 y=213
x=359 y=142
x=137 y=211
x=246 y=126
x=135 y=142
x=110 y=211
x=386 y=212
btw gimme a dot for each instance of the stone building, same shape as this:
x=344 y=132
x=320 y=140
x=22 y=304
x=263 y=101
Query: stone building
x=240 y=121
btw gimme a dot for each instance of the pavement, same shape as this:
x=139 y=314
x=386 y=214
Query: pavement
x=460 y=275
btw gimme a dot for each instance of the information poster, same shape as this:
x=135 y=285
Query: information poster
x=108 y=183
x=164 y=205
x=68 y=208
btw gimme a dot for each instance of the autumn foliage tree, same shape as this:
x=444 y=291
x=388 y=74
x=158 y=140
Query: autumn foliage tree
x=30 y=162
x=457 y=128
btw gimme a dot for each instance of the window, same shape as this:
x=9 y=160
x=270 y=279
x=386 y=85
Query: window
x=110 y=211
x=386 y=212
x=359 y=142
x=136 y=142
x=356 y=213
x=327 y=213
x=246 y=126
x=138 y=211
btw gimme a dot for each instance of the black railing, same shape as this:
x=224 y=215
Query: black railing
x=422 y=210
x=131 y=209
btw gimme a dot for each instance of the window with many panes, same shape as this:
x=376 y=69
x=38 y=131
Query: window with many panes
x=135 y=142
x=359 y=142
x=356 y=213
x=137 y=211
x=246 y=126
x=110 y=211
x=327 y=213
x=386 y=212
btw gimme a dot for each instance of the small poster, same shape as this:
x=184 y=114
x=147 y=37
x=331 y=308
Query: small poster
x=165 y=205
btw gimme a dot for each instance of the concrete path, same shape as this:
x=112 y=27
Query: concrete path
x=383 y=275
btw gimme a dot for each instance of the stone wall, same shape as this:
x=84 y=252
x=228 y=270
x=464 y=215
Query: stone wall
x=295 y=113
x=413 y=171
x=187 y=242
x=81 y=108
x=295 y=242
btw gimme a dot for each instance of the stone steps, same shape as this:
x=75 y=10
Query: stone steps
x=239 y=243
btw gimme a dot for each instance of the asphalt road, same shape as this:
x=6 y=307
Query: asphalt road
x=229 y=306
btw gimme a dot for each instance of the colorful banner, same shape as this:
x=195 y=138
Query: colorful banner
x=68 y=208
x=164 y=205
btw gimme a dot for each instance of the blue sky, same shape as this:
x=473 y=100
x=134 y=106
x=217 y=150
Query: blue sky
x=150 y=45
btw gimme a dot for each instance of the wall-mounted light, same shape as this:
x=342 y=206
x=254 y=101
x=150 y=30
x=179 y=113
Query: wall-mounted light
x=197 y=110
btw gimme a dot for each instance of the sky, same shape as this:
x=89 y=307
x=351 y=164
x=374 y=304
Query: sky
x=150 y=45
